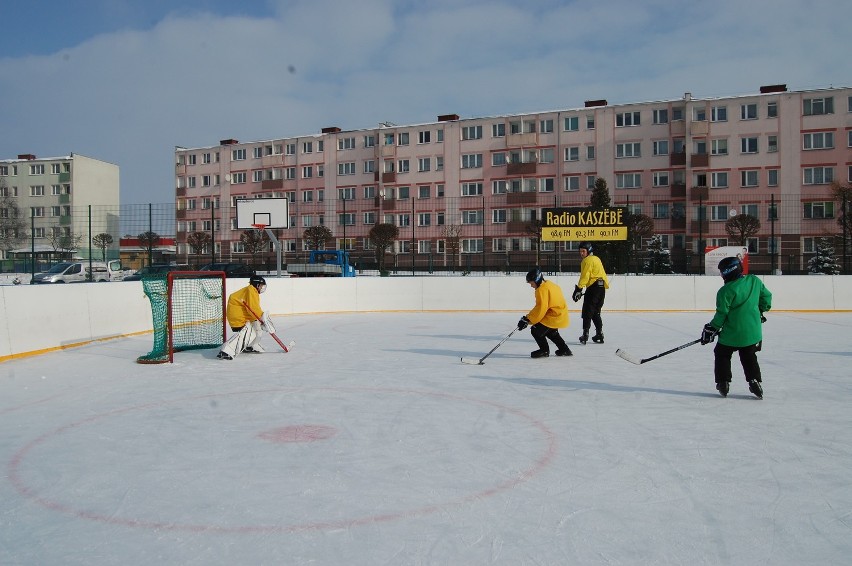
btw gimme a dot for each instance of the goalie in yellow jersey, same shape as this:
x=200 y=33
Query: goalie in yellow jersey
x=248 y=330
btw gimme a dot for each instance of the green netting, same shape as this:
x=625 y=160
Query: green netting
x=197 y=318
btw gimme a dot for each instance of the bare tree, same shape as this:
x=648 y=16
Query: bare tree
x=149 y=241
x=102 y=241
x=13 y=227
x=254 y=242
x=742 y=227
x=317 y=236
x=64 y=243
x=198 y=242
x=382 y=237
x=534 y=230
x=452 y=235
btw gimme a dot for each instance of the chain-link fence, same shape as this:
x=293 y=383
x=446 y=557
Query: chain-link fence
x=476 y=234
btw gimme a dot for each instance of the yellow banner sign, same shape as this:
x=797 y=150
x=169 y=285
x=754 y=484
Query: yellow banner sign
x=576 y=223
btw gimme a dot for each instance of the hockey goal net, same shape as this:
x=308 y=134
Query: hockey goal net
x=188 y=309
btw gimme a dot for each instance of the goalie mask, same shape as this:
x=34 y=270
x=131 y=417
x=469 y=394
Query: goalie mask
x=258 y=283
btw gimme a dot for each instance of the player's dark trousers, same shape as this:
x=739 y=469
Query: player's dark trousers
x=542 y=333
x=593 y=301
x=748 y=358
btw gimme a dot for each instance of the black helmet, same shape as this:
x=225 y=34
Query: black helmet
x=730 y=268
x=257 y=281
x=586 y=246
x=535 y=275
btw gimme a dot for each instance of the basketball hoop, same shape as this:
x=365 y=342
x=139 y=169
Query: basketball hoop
x=260 y=227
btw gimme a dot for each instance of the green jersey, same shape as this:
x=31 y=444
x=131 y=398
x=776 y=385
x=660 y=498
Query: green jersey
x=739 y=304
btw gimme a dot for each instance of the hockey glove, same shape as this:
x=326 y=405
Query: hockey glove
x=578 y=293
x=267 y=324
x=523 y=323
x=708 y=334
x=762 y=318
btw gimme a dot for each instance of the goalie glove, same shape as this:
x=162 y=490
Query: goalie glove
x=267 y=324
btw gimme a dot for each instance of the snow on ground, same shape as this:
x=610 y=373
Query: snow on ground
x=370 y=443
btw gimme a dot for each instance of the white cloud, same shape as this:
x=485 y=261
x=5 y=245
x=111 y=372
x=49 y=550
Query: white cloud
x=129 y=97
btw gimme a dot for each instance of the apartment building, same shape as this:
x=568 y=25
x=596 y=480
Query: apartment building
x=464 y=191
x=61 y=200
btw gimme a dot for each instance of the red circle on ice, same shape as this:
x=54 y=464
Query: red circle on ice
x=298 y=433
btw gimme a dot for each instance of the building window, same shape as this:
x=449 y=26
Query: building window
x=819 y=210
x=661 y=116
x=424 y=164
x=347 y=168
x=818 y=106
x=471 y=161
x=772 y=177
x=748 y=145
x=661 y=179
x=818 y=140
x=403 y=166
x=346 y=143
x=771 y=109
x=238 y=155
x=37 y=169
x=590 y=121
x=370 y=141
x=424 y=136
x=748 y=112
x=370 y=166
x=590 y=152
x=572 y=124
x=369 y=218
x=498 y=216
x=572 y=153
x=238 y=178
x=719 y=147
x=471 y=189
x=661 y=147
x=546 y=126
x=699 y=114
x=471 y=133
x=632 y=149
x=628 y=180
x=818 y=175
x=660 y=210
x=749 y=178
x=771 y=144
x=498 y=130
x=625 y=119
x=471 y=217
x=403 y=138
x=719 y=213
x=472 y=246
x=719 y=114
x=718 y=180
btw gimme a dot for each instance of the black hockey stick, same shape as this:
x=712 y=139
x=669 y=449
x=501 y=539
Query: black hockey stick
x=481 y=361
x=625 y=356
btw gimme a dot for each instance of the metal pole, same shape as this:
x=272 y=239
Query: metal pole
x=411 y=194
x=213 y=232
x=150 y=245
x=32 y=245
x=773 y=251
x=91 y=273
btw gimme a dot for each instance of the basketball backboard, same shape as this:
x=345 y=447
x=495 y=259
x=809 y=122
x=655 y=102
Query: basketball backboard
x=271 y=212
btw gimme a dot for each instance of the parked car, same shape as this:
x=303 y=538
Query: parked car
x=154 y=269
x=231 y=269
x=80 y=271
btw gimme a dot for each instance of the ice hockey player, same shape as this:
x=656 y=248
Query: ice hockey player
x=549 y=314
x=593 y=278
x=247 y=329
x=740 y=304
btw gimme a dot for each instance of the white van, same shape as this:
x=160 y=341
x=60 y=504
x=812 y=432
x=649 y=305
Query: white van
x=79 y=271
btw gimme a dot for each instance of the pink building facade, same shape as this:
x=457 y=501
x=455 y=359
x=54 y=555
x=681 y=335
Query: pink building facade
x=464 y=191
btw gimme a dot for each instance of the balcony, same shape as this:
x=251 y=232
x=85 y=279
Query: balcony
x=521 y=198
x=180 y=214
x=385 y=204
x=521 y=168
x=679 y=223
x=699 y=193
x=180 y=191
x=385 y=177
x=699 y=160
x=272 y=184
x=677 y=159
x=65 y=177
x=521 y=140
x=678 y=190
x=516 y=226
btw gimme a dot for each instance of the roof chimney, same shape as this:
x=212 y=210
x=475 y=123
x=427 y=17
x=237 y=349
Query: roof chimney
x=773 y=88
x=593 y=103
x=330 y=130
x=228 y=142
x=27 y=156
x=448 y=117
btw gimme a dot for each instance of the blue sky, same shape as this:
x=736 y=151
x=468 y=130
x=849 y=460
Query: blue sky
x=127 y=81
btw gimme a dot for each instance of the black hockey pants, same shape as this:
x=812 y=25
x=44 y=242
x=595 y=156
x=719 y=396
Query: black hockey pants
x=542 y=333
x=748 y=358
x=593 y=301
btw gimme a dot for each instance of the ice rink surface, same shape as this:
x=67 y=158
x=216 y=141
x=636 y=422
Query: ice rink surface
x=371 y=444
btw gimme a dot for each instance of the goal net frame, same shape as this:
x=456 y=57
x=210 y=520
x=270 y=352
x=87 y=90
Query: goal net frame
x=176 y=327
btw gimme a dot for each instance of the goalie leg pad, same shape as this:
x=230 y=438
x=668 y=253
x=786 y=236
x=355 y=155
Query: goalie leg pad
x=240 y=341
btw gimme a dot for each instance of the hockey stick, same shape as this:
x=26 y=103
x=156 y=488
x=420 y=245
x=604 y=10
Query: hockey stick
x=481 y=361
x=286 y=347
x=625 y=356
